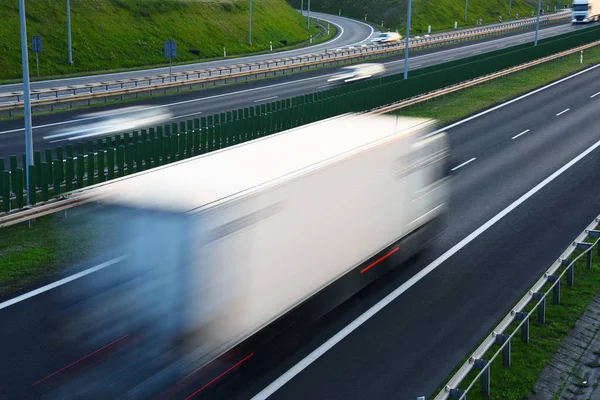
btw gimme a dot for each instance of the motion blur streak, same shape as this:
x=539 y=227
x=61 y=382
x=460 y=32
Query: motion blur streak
x=374 y=263
x=220 y=376
x=81 y=359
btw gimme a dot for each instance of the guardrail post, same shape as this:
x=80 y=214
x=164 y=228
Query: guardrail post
x=570 y=271
x=504 y=340
x=6 y=191
x=521 y=316
x=485 y=377
x=595 y=234
x=583 y=246
x=555 y=289
x=32 y=181
x=456 y=394
x=541 y=307
x=69 y=174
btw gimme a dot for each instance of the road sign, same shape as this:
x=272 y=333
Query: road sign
x=36 y=44
x=170 y=49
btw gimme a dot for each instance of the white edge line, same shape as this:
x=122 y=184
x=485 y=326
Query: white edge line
x=186 y=115
x=61 y=282
x=562 y=112
x=594 y=95
x=520 y=134
x=265 y=99
x=304 y=363
x=502 y=105
x=463 y=164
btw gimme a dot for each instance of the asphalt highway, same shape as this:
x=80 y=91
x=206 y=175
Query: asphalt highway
x=350 y=33
x=409 y=347
x=191 y=105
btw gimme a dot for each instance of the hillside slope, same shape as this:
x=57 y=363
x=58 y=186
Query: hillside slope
x=440 y=14
x=110 y=34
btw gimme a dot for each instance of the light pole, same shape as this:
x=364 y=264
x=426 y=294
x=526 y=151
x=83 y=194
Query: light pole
x=537 y=23
x=26 y=98
x=509 y=6
x=308 y=16
x=466 y=8
x=406 y=41
x=69 y=32
x=302 y=7
x=250 y=25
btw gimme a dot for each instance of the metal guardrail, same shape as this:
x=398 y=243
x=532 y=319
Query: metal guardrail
x=87 y=92
x=497 y=336
x=85 y=195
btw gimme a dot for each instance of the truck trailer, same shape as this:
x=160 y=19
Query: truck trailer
x=222 y=249
x=586 y=11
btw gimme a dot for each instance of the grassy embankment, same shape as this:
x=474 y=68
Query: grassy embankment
x=440 y=14
x=125 y=34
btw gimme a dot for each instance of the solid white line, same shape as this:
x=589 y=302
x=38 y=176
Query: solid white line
x=268 y=98
x=415 y=65
x=448 y=59
x=463 y=164
x=562 y=112
x=61 y=282
x=325 y=86
x=499 y=106
x=186 y=115
x=594 y=95
x=338 y=337
x=476 y=52
x=520 y=134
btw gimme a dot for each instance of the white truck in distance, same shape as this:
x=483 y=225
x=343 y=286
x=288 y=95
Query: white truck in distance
x=386 y=37
x=222 y=247
x=586 y=11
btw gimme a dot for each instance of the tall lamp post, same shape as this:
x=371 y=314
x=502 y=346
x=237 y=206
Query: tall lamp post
x=69 y=47
x=26 y=98
x=406 y=41
x=250 y=25
x=537 y=23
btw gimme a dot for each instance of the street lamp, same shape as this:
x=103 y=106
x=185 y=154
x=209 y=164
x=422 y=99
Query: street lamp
x=70 y=50
x=26 y=98
x=406 y=42
x=250 y=25
x=537 y=23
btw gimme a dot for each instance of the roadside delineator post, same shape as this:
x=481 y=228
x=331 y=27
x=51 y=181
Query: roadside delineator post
x=584 y=247
x=504 y=340
x=555 y=289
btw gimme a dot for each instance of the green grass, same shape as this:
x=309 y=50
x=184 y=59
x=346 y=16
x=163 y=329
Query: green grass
x=52 y=245
x=440 y=14
x=460 y=104
x=528 y=360
x=110 y=34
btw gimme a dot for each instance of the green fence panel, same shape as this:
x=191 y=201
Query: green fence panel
x=2 y=168
x=101 y=172
x=139 y=157
x=91 y=168
x=80 y=171
x=197 y=135
x=126 y=140
x=5 y=191
x=70 y=150
x=13 y=172
x=173 y=146
x=37 y=162
x=135 y=137
x=165 y=150
x=56 y=182
x=144 y=135
x=157 y=151
x=148 y=150
x=159 y=132
x=110 y=163
x=183 y=137
x=31 y=191
x=19 y=188
x=90 y=146
x=151 y=133
x=118 y=140
x=69 y=174
x=121 y=160
x=79 y=149
x=130 y=153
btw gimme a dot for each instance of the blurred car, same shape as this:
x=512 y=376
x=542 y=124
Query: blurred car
x=353 y=73
x=111 y=122
x=386 y=37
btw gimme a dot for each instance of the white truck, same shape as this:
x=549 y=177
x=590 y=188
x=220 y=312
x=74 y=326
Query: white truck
x=387 y=38
x=586 y=11
x=223 y=247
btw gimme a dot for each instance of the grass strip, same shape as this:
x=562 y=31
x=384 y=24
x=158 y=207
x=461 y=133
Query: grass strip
x=464 y=103
x=528 y=360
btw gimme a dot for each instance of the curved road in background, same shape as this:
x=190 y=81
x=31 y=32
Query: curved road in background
x=350 y=32
x=189 y=105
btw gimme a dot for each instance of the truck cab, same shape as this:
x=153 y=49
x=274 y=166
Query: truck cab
x=585 y=11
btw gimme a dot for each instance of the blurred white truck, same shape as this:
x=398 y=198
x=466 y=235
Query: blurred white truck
x=586 y=11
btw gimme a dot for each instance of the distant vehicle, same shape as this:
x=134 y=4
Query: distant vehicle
x=110 y=122
x=220 y=246
x=353 y=73
x=386 y=37
x=586 y=11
